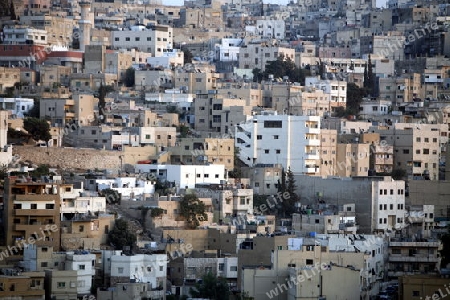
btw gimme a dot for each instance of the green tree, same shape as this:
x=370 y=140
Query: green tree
x=41 y=170
x=281 y=67
x=112 y=196
x=257 y=75
x=287 y=184
x=129 y=77
x=38 y=129
x=445 y=252
x=193 y=210
x=398 y=174
x=12 y=11
x=103 y=90
x=370 y=78
x=121 y=235
x=211 y=287
x=355 y=95
x=187 y=55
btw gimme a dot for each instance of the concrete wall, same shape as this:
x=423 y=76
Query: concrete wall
x=70 y=158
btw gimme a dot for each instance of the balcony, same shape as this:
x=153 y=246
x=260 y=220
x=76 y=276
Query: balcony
x=69 y=113
x=34 y=212
x=313 y=130
x=384 y=161
x=314 y=155
x=311 y=169
x=410 y=244
x=37 y=197
x=312 y=142
x=413 y=259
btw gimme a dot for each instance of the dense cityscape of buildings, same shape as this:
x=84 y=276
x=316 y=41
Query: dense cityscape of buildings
x=224 y=150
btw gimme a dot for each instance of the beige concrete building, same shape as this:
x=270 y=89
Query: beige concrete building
x=406 y=257
x=258 y=55
x=436 y=193
x=210 y=109
x=264 y=178
x=206 y=17
x=328 y=152
x=52 y=74
x=415 y=287
x=417 y=147
x=196 y=82
x=403 y=89
x=352 y=159
x=61 y=285
x=197 y=238
x=117 y=62
x=26 y=286
x=261 y=280
x=78 y=109
x=28 y=208
x=8 y=78
x=204 y=150
x=86 y=232
x=59 y=28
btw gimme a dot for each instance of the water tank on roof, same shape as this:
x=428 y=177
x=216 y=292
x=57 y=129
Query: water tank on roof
x=312 y=234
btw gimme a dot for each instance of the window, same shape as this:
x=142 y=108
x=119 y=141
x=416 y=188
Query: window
x=120 y=270
x=309 y=262
x=416 y=293
x=392 y=192
x=273 y=124
x=49 y=206
x=391 y=206
x=278 y=151
x=275 y=137
x=147 y=136
x=127 y=39
x=61 y=285
x=380 y=221
x=426 y=151
x=427 y=140
x=266 y=151
x=242 y=200
x=418 y=139
x=233 y=268
x=149 y=38
x=381 y=206
x=81 y=228
x=44 y=264
x=33 y=206
x=137 y=39
x=116 y=39
x=81 y=267
x=396 y=251
x=206 y=175
x=259 y=137
x=405 y=151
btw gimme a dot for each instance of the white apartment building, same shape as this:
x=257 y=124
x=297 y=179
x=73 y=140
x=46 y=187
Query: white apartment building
x=155 y=39
x=184 y=176
x=258 y=55
x=170 y=96
x=291 y=141
x=335 y=88
x=17 y=106
x=389 y=202
x=84 y=264
x=150 y=269
x=37 y=258
x=274 y=29
x=128 y=187
x=378 y=107
x=24 y=35
x=228 y=49
x=170 y=58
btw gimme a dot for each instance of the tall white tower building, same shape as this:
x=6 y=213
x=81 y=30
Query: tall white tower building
x=85 y=25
